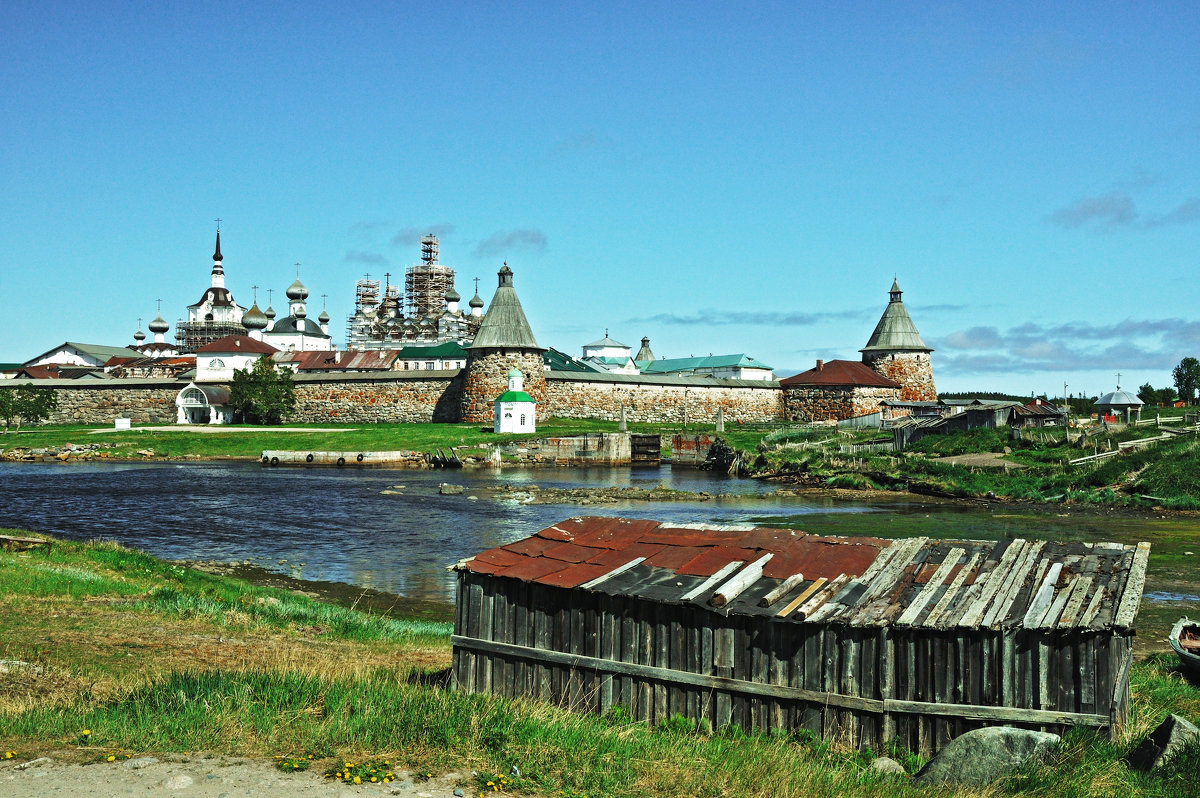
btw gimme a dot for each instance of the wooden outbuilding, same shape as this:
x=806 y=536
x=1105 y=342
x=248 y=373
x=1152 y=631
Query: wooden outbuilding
x=857 y=639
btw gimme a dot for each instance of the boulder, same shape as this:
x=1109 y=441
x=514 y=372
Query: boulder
x=1171 y=735
x=446 y=489
x=883 y=764
x=979 y=757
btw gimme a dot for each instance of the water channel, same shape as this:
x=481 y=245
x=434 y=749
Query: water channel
x=339 y=525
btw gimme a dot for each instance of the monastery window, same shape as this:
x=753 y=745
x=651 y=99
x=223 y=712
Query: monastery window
x=216 y=363
x=522 y=419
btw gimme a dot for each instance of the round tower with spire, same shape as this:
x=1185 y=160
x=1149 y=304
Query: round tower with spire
x=504 y=342
x=896 y=351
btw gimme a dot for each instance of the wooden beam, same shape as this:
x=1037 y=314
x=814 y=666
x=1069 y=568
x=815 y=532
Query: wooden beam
x=620 y=569
x=712 y=581
x=738 y=584
x=741 y=686
x=781 y=590
x=1131 y=597
x=798 y=600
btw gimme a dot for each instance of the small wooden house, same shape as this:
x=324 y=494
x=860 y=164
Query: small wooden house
x=857 y=639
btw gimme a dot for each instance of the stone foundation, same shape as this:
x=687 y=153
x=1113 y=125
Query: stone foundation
x=833 y=403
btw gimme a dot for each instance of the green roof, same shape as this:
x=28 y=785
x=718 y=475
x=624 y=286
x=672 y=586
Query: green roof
x=504 y=325
x=675 y=364
x=447 y=349
x=558 y=361
x=895 y=330
x=514 y=396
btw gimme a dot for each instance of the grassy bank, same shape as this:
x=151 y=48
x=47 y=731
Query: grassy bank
x=248 y=441
x=149 y=657
x=989 y=463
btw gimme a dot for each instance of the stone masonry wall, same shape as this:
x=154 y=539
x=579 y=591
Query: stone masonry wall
x=430 y=398
x=913 y=370
x=826 y=403
x=400 y=397
x=661 y=402
x=142 y=401
x=486 y=377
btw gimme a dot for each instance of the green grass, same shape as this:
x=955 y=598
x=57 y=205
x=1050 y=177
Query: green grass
x=239 y=441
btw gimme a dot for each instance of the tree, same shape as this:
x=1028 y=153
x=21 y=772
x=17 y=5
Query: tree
x=1166 y=396
x=1147 y=394
x=26 y=403
x=263 y=393
x=1187 y=379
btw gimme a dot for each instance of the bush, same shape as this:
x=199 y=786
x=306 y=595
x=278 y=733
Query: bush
x=263 y=393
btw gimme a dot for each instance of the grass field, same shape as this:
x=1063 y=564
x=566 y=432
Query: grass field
x=247 y=441
x=149 y=657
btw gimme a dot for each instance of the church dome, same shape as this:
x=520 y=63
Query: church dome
x=139 y=336
x=269 y=312
x=452 y=296
x=476 y=302
x=159 y=325
x=297 y=290
x=254 y=319
x=324 y=317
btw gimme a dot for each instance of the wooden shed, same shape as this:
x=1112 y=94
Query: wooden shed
x=856 y=639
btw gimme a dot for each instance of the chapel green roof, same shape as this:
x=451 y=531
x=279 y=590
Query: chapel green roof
x=514 y=396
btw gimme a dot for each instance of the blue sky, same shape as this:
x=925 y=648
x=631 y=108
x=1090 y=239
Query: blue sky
x=720 y=177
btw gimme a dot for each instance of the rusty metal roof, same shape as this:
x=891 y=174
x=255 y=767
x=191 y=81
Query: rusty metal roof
x=865 y=582
x=840 y=372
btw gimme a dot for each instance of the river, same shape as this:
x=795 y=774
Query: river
x=339 y=525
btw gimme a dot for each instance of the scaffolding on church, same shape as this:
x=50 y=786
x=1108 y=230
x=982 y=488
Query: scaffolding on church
x=426 y=283
x=191 y=335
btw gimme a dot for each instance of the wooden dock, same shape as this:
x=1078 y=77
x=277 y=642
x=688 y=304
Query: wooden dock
x=402 y=457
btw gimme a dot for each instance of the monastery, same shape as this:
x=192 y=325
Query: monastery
x=417 y=356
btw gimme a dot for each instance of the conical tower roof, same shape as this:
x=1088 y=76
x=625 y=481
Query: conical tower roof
x=504 y=325
x=895 y=331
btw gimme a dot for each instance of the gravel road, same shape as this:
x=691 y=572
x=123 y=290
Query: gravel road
x=195 y=777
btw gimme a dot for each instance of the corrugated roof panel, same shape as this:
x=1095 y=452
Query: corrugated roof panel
x=711 y=560
x=570 y=552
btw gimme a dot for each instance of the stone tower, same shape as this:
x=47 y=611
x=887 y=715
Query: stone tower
x=897 y=352
x=504 y=342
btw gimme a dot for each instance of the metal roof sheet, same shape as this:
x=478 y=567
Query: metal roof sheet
x=792 y=576
x=841 y=372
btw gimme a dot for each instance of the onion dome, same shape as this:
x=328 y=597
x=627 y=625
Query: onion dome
x=217 y=254
x=297 y=290
x=159 y=325
x=324 y=317
x=269 y=313
x=254 y=319
x=452 y=296
x=476 y=302
x=139 y=336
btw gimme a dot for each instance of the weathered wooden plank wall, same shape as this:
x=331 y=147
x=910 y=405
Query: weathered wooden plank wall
x=859 y=685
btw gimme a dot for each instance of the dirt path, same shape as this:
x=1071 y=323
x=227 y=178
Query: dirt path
x=198 y=777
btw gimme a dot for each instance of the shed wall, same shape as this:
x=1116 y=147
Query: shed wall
x=861 y=686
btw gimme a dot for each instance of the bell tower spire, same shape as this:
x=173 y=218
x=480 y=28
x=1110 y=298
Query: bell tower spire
x=218 y=270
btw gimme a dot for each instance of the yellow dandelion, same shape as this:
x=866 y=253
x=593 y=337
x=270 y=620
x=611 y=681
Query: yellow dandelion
x=373 y=778
x=358 y=780
x=111 y=757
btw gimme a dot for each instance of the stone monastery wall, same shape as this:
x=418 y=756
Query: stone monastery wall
x=95 y=402
x=913 y=370
x=370 y=399
x=405 y=397
x=662 y=400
